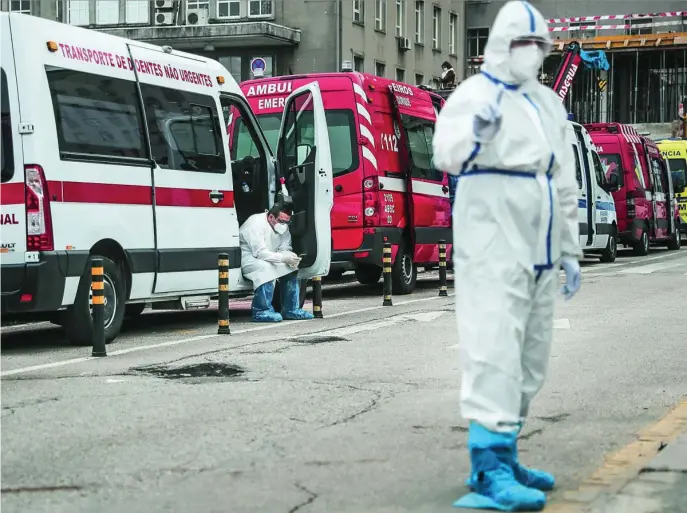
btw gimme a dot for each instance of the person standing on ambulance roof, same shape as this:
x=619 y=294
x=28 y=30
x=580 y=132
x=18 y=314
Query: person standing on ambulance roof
x=515 y=225
x=266 y=256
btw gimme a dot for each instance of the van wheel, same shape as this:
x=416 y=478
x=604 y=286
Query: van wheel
x=675 y=242
x=368 y=274
x=404 y=272
x=302 y=291
x=641 y=247
x=611 y=251
x=78 y=322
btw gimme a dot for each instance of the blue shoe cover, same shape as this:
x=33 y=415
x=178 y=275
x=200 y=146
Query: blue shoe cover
x=290 y=300
x=261 y=307
x=533 y=478
x=493 y=481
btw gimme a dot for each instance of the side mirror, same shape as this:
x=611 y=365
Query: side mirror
x=302 y=153
x=679 y=185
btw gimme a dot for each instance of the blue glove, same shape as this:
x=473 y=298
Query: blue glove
x=573 y=276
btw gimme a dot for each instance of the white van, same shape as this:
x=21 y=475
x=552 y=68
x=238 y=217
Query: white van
x=596 y=208
x=118 y=149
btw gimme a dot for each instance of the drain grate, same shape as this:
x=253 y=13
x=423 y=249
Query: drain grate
x=199 y=370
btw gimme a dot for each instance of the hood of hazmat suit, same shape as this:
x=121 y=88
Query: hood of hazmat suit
x=261 y=251
x=514 y=217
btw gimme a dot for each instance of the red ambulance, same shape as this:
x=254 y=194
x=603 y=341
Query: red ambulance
x=385 y=186
x=645 y=202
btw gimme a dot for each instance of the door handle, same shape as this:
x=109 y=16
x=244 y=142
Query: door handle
x=338 y=188
x=216 y=196
x=444 y=189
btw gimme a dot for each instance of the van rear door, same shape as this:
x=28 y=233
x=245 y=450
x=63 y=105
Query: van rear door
x=588 y=191
x=12 y=197
x=305 y=163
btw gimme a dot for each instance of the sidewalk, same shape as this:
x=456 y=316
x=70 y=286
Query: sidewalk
x=660 y=487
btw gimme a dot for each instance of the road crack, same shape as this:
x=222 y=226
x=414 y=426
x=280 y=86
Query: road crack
x=311 y=498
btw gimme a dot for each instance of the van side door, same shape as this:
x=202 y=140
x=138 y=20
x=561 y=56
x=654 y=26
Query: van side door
x=604 y=214
x=582 y=208
x=305 y=166
x=664 y=216
x=588 y=190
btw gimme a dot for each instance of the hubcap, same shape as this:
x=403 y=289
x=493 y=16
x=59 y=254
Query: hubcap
x=407 y=269
x=110 y=302
x=645 y=241
x=614 y=246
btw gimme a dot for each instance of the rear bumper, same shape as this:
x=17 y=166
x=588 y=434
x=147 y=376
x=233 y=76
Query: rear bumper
x=370 y=251
x=33 y=287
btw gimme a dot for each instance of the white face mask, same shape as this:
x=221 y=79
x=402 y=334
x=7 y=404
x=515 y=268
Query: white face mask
x=280 y=228
x=525 y=62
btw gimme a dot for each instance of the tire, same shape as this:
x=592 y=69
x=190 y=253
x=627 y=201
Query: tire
x=78 y=322
x=641 y=247
x=675 y=243
x=403 y=272
x=302 y=292
x=368 y=274
x=610 y=253
x=134 y=309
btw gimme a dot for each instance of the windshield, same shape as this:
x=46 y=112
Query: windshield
x=342 y=137
x=6 y=148
x=612 y=164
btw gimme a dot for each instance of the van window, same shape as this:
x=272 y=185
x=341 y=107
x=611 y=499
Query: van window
x=578 y=167
x=598 y=169
x=612 y=164
x=420 y=133
x=340 y=128
x=6 y=150
x=678 y=168
x=96 y=115
x=657 y=170
x=184 y=129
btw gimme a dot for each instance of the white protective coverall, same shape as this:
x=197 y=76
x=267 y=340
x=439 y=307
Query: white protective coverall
x=515 y=216
x=261 y=247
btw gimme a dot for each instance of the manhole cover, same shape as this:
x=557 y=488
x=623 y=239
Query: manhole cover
x=319 y=339
x=199 y=370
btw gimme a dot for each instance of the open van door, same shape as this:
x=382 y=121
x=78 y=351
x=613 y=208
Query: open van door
x=305 y=164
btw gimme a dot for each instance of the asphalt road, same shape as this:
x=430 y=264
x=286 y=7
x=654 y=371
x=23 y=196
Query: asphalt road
x=354 y=413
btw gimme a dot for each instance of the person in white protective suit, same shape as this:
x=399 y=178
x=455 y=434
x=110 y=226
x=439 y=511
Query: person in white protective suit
x=515 y=225
x=266 y=256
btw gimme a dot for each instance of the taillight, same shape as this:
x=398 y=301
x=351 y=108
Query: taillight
x=39 y=235
x=630 y=204
x=370 y=202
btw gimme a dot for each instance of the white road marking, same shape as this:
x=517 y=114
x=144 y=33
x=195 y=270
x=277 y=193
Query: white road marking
x=558 y=324
x=648 y=269
x=73 y=361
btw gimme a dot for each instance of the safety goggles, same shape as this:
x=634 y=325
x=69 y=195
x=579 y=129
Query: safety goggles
x=279 y=220
x=543 y=44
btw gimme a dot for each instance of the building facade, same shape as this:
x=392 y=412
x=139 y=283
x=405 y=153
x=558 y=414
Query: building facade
x=403 y=39
x=645 y=42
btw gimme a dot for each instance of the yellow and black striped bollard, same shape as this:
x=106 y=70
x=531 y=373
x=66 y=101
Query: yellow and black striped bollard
x=443 y=291
x=317 y=297
x=98 y=304
x=386 y=270
x=223 y=295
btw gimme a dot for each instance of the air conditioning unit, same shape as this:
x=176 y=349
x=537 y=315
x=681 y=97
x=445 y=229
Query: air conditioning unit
x=164 y=18
x=197 y=17
x=403 y=43
x=164 y=4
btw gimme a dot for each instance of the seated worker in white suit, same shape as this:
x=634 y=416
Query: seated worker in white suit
x=515 y=225
x=265 y=257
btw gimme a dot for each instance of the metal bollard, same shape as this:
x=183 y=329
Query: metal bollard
x=317 y=297
x=98 y=305
x=443 y=291
x=223 y=295
x=386 y=270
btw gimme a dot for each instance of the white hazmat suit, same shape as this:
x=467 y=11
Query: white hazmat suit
x=515 y=223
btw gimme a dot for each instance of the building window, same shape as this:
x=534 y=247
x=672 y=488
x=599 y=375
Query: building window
x=637 y=26
x=420 y=22
x=22 y=6
x=452 y=33
x=359 y=11
x=233 y=65
x=380 y=15
x=359 y=63
x=137 y=11
x=477 y=41
x=77 y=12
x=419 y=79
x=228 y=8
x=400 y=18
x=260 y=8
x=107 y=12
x=192 y=5
x=436 y=29
x=380 y=69
x=400 y=75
